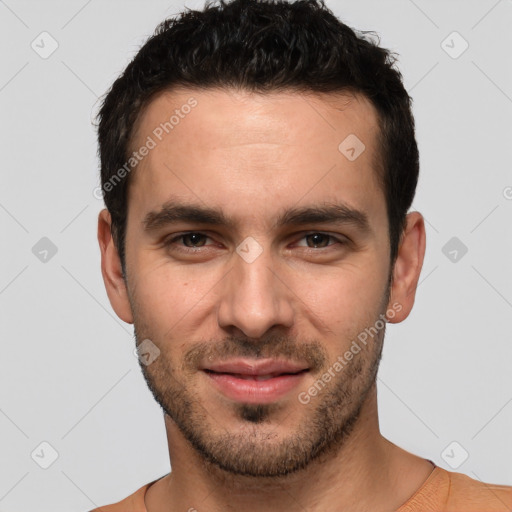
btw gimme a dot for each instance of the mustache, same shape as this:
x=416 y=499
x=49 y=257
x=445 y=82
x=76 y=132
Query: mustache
x=275 y=347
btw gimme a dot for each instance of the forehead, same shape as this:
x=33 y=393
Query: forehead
x=250 y=118
x=250 y=151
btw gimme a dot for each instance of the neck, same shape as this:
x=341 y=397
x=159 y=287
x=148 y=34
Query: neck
x=366 y=473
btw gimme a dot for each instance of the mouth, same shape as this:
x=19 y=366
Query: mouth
x=255 y=377
x=255 y=381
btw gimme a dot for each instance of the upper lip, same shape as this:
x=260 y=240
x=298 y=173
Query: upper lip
x=255 y=367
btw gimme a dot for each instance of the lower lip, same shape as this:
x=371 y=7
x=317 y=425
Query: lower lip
x=254 y=391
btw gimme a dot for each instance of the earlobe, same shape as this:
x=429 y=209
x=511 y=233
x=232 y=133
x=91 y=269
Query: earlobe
x=111 y=270
x=408 y=265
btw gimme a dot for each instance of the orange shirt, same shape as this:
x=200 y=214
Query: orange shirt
x=442 y=491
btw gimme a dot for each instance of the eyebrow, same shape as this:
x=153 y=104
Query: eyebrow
x=332 y=213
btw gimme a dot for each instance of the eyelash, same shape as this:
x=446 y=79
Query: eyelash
x=172 y=241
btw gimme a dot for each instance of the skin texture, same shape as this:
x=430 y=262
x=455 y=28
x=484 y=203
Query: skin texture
x=303 y=299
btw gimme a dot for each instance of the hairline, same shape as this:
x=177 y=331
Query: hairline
x=378 y=157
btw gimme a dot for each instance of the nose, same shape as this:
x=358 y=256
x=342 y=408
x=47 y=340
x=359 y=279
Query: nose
x=255 y=298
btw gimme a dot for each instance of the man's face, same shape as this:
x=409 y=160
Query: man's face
x=266 y=287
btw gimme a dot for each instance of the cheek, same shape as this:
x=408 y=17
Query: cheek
x=343 y=299
x=166 y=294
x=346 y=286
x=156 y=293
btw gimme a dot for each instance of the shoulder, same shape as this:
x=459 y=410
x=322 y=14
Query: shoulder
x=478 y=496
x=133 y=503
x=448 y=491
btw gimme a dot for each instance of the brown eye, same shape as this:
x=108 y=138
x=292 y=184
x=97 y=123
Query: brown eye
x=186 y=241
x=320 y=240
x=195 y=239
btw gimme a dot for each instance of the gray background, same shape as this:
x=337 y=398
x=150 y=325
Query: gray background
x=68 y=375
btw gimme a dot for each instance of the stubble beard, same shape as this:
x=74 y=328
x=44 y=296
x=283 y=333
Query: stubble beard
x=327 y=421
x=256 y=450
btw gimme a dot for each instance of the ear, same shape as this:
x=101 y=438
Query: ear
x=407 y=267
x=111 y=269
